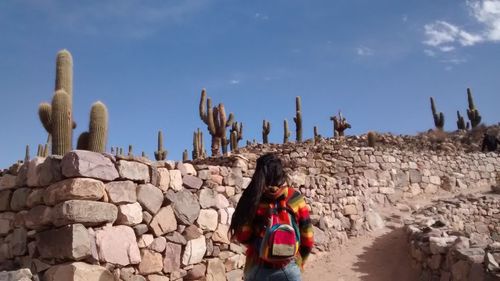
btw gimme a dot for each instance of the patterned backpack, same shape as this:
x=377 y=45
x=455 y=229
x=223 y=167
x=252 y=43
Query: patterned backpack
x=281 y=237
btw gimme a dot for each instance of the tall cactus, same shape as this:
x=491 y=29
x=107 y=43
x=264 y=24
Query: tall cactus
x=27 y=154
x=372 y=138
x=438 y=117
x=185 y=155
x=130 y=151
x=286 y=132
x=61 y=123
x=83 y=141
x=339 y=125
x=39 y=152
x=46 y=112
x=198 y=145
x=215 y=119
x=236 y=134
x=461 y=122
x=98 y=127
x=472 y=112
x=317 y=136
x=266 y=129
x=160 y=153
x=298 y=119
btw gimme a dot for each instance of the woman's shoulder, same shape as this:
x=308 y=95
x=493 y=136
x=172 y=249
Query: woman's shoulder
x=295 y=198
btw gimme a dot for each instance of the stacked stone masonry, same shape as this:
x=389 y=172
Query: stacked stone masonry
x=90 y=216
x=457 y=239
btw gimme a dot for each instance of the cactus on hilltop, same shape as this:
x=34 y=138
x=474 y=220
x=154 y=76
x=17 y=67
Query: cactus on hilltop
x=215 y=119
x=472 y=112
x=286 y=132
x=317 y=136
x=298 y=119
x=98 y=127
x=160 y=153
x=266 y=129
x=130 y=151
x=339 y=125
x=461 y=122
x=83 y=141
x=438 y=117
x=27 y=154
x=143 y=155
x=39 y=151
x=120 y=151
x=372 y=138
x=235 y=135
x=55 y=123
x=198 y=145
x=61 y=126
x=185 y=155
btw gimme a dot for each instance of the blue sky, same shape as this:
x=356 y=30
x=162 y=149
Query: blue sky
x=377 y=61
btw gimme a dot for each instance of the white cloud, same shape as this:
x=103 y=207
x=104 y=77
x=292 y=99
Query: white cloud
x=455 y=61
x=364 y=51
x=441 y=32
x=405 y=18
x=234 y=82
x=261 y=16
x=487 y=12
x=430 y=53
x=446 y=36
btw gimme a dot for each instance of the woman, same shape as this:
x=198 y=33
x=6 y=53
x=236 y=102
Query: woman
x=266 y=198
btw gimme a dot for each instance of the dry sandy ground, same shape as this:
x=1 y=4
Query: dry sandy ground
x=378 y=256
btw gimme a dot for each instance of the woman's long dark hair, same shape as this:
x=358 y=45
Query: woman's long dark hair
x=269 y=172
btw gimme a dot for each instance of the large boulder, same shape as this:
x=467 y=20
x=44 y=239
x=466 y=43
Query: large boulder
x=38 y=217
x=129 y=214
x=71 y=242
x=5 y=200
x=134 y=171
x=78 y=271
x=172 y=261
x=7 y=181
x=164 y=222
x=208 y=219
x=122 y=192
x=194 y=251
x=23 y=274
x=175 y=180
x=216 y=271
x=151 y=262
x=74 y=188
x=88 y=213
x=150 y=197
x=186 y=206
x=117 y=245
x=192 y=182
x=88 y=164
x=34 y=166
x=20 y=198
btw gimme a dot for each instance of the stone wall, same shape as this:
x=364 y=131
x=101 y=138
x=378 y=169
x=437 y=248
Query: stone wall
x=92 y=215
x=457 y=239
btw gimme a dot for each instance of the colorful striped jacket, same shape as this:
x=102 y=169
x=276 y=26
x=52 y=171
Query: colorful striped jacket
x=252 y=232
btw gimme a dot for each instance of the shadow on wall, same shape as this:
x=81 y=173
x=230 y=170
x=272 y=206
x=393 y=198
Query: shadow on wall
x=387 y=259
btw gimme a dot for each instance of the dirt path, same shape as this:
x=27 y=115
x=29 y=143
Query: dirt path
x=378 y=256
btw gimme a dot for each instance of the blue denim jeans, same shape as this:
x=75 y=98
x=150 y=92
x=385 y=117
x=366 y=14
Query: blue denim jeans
x=291 y=272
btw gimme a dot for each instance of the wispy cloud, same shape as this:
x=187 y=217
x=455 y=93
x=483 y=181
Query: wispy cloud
x=234 y=81
x=261 y=16
x=446 y=37
x=364 y=51
x=127 y=18
x=404 y=18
